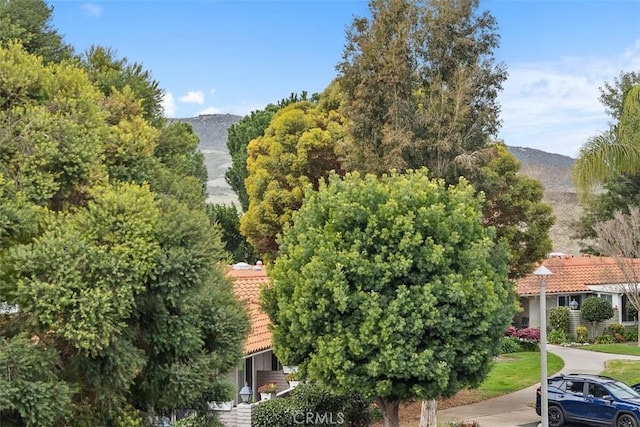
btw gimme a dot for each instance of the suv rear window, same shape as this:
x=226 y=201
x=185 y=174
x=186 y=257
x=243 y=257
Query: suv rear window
x=575 y=387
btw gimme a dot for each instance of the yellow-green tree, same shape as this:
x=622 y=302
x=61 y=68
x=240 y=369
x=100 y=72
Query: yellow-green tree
x=298 y=148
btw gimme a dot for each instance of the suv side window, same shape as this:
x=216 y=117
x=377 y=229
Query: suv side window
x=575 y=387
x=597 y=390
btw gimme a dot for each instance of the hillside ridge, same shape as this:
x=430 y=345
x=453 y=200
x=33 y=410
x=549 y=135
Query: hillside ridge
x=553 y=170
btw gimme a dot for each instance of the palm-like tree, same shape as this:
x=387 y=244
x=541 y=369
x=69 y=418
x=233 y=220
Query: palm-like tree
x=613 y=153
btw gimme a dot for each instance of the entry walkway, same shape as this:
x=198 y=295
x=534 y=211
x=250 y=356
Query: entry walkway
x=517 y=409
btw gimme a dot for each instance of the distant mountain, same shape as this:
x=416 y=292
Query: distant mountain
x=553 y=170
x=533 y=156
x=212 y=131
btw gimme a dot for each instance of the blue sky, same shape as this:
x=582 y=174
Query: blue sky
x=233 y=56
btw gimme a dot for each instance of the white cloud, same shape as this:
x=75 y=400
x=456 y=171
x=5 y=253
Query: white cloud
x=92 y=9
x=193 y=97
x=554 y=106
x=168 y=105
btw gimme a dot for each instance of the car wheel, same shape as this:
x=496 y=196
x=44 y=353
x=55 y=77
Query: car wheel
x=556 y=417
x=626 y=420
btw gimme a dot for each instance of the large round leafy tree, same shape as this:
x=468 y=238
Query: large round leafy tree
x=392 y=287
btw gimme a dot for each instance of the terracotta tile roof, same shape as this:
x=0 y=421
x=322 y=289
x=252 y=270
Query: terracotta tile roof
x=573 y=275
x=247 y=282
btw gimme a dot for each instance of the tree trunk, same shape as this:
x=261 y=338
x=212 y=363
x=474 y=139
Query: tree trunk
x=390 y=412
x=638 y=322
x=428 y=414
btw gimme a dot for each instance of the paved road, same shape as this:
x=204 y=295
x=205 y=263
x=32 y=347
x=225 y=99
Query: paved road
x=517 y=409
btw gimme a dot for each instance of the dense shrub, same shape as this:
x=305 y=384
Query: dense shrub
x=582 y=334
x=199 y=421
x=603 y=339
x=557 y=336
x=278 y=412
x=130 y=417
x=345 y=409
x=631 y=335
x=559 y=319
x=596 y=309
x=525 y=334
x=529 y=346
x=616 y=328
x=528 y=338
x=510 y=345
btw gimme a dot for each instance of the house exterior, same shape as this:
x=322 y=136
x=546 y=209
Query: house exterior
x=259 y=364
x=574 y=279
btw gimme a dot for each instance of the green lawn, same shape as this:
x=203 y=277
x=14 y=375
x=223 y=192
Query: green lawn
x=515 y=371
x=627 y=371
x=630 y=348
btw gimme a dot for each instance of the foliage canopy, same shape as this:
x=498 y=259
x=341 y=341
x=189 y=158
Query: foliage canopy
x=596 y=309
x=107 y=256
x=298 y=148
x=377 y=287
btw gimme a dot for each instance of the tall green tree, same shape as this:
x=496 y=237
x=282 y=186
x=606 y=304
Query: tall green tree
x=376 y=289
x=617 y=195
x=77 y=284
x=618 y=190
x=110 y=74
x=378 y=78
x=188 y=321
x=29 y=22
x=239 y=136
x=513 y=206
x=298 y=148
x=115 y=273
x=228 y=219
x=420 y=87
x=612 y=93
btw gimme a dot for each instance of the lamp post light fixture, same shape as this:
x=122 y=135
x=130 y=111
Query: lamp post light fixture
x=543 y=272
x=245 y=393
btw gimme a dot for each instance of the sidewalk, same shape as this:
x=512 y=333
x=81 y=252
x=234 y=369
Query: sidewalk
x=517 y=409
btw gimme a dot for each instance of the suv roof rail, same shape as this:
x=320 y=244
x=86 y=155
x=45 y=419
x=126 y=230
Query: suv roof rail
x=573 y=374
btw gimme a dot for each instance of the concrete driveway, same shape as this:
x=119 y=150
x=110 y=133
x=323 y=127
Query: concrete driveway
x=517 y=409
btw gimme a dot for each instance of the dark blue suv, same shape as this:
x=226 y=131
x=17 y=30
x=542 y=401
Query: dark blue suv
x=591 y=399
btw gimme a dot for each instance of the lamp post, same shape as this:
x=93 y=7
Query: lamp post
x=543 y=272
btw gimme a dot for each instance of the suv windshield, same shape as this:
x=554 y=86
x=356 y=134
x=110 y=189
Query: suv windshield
x=622 y=391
